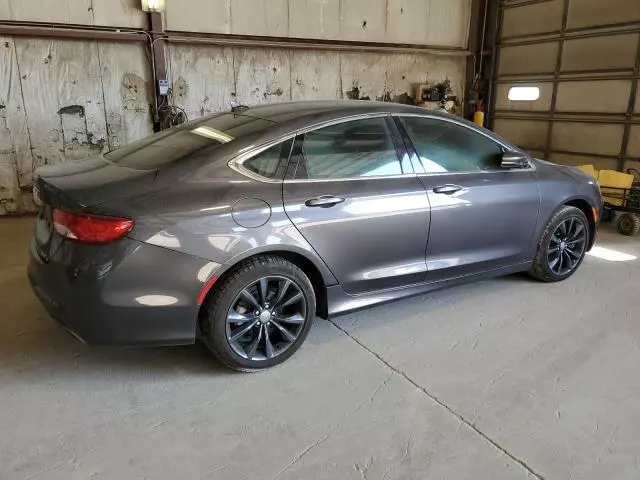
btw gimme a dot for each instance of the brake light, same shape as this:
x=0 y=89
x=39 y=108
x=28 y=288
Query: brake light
x=85 y=227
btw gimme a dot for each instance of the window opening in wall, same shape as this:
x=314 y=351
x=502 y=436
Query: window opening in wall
x=524 y=94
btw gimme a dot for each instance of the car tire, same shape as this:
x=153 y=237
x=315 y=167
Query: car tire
x=250 y=352
x=628 y=224
x=552 y=237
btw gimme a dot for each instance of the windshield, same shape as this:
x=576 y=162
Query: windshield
x=161 y=149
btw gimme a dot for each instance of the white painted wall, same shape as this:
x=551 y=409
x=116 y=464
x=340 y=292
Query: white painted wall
x=209 y=78
x=63 y=100
x=425 y=22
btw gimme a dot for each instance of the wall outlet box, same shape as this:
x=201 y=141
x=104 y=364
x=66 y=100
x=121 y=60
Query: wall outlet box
x=163 y=87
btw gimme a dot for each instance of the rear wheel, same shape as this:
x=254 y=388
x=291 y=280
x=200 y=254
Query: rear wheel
x=628 y=224
x=259 y=314
x=562 y=245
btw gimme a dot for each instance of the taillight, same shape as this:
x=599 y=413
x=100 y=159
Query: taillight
x=85 y=227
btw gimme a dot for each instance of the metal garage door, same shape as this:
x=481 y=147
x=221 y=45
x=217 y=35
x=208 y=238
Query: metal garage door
x=584 y=57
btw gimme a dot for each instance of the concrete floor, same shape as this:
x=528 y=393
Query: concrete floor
x=502 y=379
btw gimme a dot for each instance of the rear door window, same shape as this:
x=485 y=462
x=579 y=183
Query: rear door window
x=161 y=149
x=353 y=149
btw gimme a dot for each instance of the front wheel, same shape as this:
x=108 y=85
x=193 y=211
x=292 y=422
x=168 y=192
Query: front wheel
x=259 y=314
x=562 y=245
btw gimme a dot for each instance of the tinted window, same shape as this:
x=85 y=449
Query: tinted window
x=448 y=147
x=161 y=149
x=271 y=163
x=359 y=148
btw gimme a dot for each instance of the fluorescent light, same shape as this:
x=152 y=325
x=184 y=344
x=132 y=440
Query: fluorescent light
x=152 y=5
x=209 y=132
x=524 y=94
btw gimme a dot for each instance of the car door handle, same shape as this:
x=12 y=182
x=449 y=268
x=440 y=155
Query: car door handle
x=325 y=201
x=447 y=189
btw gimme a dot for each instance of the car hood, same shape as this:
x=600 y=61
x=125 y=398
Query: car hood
x=566 y=170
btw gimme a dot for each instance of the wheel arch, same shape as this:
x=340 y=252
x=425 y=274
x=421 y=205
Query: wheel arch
x=319 y=279
x=585 y=207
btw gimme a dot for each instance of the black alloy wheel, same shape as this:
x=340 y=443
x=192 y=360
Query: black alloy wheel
x=562 y=245
x=567 y=246
x=258 y=314
x=266 y=318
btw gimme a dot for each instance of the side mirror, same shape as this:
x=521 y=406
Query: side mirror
x=514 y=160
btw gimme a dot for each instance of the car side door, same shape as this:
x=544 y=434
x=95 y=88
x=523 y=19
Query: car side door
x=483 y=216
x=355 y=198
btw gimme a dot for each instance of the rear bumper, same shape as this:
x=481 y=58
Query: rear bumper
x=126 y=293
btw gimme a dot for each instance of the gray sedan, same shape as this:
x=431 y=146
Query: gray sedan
x=240 y=228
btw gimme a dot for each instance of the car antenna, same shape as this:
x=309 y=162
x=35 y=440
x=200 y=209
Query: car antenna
x=239 y=108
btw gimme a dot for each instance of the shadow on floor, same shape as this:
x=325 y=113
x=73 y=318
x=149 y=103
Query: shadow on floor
x=46 y=349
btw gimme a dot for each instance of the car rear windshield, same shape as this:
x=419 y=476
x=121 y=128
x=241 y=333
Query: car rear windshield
x=161 y=149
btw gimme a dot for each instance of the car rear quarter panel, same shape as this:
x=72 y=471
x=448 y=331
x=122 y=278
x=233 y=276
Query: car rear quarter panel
x=219 y=215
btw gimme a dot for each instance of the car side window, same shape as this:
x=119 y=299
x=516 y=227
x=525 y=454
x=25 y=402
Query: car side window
x=270 y=163
x=448 y=147
x=353 y=149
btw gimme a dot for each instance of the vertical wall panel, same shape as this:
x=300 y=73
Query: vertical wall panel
x=121 y=13
x=315 y=75
x=5 y=9
x=262 y=76
x=314 y=18
x=260 y=17
x=540 y=58
x=448 y=22
x=15 y=155
x=602 y=139
x=633 y=149
x=590 y=13
x=606 y=96
x=203 y=78
x=363 y=75
x=406 y=21
x=597 y=53
x=531 y=134
x=128 y=92
x=431 y=22
x=212 y=15
x=62 y=11
x=363 y=23
x=62 y=87
x=534 y=18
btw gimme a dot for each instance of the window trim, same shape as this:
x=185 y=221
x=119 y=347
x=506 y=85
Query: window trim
x=505 y=146
x=236 y=163
x=384 y=115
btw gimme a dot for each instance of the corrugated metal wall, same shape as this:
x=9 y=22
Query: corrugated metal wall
x=584 y=55
x=62 y=100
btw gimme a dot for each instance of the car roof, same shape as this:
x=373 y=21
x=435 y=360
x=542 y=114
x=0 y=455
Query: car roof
x=318 y=111
x=288 y=117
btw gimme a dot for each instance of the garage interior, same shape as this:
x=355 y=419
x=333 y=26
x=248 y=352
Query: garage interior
x=501 y=379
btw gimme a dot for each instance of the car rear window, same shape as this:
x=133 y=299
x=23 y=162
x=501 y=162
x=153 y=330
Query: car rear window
x=163 y=148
